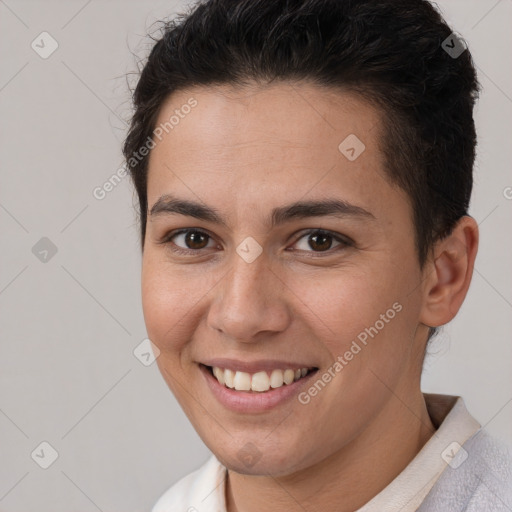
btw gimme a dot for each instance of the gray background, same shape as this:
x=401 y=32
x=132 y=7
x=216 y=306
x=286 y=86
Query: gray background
x=68 y=375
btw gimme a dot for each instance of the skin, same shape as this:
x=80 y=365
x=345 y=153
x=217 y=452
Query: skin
x=244 y=152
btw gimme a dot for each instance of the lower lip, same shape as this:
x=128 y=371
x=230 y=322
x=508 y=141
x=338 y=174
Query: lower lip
x=253 y=402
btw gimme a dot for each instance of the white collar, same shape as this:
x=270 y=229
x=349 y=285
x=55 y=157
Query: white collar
x=408 y=490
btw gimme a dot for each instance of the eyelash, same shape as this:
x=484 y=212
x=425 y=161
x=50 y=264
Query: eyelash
x=344 y=241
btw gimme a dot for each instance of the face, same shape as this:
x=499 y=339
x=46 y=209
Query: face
x=286 y=262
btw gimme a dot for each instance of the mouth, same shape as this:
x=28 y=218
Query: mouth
x=258 y=390
x=263 y=381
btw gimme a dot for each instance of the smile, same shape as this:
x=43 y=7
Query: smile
x=259 y=382
x=255 y=387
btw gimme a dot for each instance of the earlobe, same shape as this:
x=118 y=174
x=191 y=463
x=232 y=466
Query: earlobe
x=450 y=273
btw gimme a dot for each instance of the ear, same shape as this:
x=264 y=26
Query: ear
x=447 y=276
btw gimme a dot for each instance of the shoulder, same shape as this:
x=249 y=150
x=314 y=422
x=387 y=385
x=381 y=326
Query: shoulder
x=191 y=491
x=478 y=477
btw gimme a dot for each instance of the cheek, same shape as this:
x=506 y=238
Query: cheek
x=168 y=307
x=342 y=305
x=368 y=316
x=377 y=324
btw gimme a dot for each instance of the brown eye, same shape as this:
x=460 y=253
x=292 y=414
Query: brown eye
x=187 y=241
x=322 y=241
x=190 y=241
x=196 y=240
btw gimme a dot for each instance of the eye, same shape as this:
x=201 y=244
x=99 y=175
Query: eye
x=322 y=241
x=193 y=240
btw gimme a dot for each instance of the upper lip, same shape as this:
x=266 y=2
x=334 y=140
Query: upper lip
x=255 y=366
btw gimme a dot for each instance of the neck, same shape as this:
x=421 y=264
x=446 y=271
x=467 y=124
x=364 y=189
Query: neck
x=350 y=477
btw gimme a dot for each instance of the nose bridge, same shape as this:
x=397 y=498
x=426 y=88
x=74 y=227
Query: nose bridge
x=245 y=292
x=249 y=298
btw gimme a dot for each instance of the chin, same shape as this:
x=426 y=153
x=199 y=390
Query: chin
x=260 y=458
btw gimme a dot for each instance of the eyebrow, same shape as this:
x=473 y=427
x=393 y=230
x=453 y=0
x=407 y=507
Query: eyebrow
x=170 y=205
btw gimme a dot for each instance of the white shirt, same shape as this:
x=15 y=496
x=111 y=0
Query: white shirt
x=204 y=489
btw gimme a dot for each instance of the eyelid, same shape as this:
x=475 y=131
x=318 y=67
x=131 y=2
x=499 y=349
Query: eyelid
x=166 y=239
x=337 y=236
x=342 y=239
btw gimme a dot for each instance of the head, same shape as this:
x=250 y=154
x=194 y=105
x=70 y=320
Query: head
x=328 y=149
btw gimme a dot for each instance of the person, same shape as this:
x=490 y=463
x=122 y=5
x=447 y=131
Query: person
x=304 y=173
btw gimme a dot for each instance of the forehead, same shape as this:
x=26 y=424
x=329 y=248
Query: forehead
x=261 y=143
x=228 y=117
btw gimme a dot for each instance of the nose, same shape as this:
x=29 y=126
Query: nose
x=250 y=302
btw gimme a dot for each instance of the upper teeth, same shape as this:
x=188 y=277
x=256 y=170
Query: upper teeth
x=259 y=381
